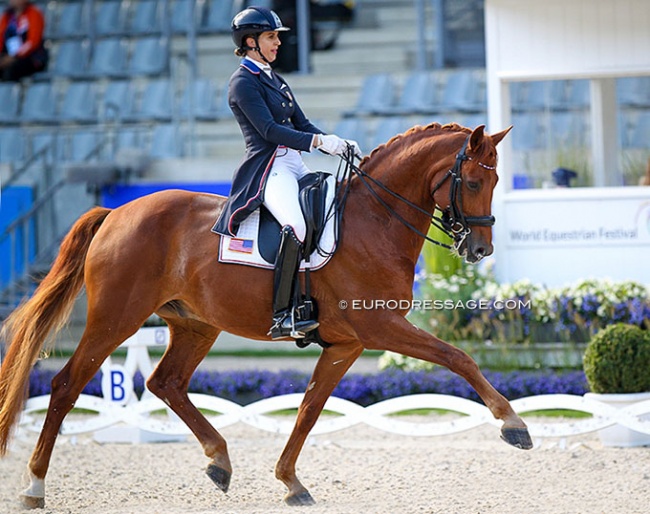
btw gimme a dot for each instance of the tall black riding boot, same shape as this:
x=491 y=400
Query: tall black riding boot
x=286 y=318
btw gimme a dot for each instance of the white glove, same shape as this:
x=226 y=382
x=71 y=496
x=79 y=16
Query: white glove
x=332 y=144
x=356 y=150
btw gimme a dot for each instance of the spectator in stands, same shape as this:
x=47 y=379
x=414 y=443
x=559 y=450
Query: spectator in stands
x=22 y=52
x=275 y=131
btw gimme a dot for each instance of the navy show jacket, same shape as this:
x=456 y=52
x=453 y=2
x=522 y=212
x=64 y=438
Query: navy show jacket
x=269 y=117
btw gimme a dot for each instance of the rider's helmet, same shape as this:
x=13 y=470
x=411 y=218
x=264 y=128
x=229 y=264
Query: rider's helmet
x=252 y=22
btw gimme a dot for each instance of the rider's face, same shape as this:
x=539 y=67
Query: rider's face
x=269 y=43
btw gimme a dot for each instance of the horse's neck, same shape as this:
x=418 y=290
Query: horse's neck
x=377 y=225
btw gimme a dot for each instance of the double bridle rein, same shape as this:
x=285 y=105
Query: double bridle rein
x=453 y=221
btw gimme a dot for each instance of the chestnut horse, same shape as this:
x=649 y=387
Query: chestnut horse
x=157 y=254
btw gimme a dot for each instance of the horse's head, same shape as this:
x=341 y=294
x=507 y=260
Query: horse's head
x=464 y=193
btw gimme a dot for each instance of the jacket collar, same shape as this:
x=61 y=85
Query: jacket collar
x=253 y=68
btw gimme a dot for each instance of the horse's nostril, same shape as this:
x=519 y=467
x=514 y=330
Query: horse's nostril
x=479 y=252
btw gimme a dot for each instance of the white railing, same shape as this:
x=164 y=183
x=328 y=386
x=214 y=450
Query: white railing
x=120 y=407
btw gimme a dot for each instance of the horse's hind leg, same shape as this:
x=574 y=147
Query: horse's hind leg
x=189 y=344
x=102 y=336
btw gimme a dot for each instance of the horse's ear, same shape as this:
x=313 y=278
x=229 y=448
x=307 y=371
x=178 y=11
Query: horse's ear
x=476 y=137
x=496 y=138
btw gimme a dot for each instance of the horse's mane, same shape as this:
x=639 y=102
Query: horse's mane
x=411 y=136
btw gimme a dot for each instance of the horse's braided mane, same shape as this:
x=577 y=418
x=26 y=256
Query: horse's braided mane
x=418 y=132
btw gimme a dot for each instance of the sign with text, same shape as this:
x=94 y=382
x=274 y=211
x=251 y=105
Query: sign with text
x=558 y=236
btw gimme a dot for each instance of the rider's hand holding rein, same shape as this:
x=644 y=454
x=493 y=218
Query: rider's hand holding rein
x=334 y=145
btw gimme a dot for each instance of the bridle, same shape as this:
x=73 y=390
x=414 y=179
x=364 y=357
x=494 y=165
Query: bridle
x=453 y=221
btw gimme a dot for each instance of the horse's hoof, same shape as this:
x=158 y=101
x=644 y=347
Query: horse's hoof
x=303 y=499
x=32 y=502
x=517 y=437
x=219 y=476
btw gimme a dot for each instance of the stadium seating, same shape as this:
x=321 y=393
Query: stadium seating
x=118 y=102
x=377 y=93
x=11 y=145
x=79 y=103
x=9 y=103
x=110 y=19
x=150 y=56
x=146 y=18
x=71 y=59
x=156 y=103
x=39 y=104
x=418 y=95
x=109 y=59
x=205 y=101
x=218 y=17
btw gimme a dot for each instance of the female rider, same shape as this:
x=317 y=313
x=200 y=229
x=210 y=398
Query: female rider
x=275 y=131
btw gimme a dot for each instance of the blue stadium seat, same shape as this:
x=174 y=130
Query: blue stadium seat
x=109 y=59
x=79 y=103
x=9 y=103
x=150 y=56
x=418 y=95
x=218 y=17
x=223 y=107
x=110 y=18
x=128 y=138
x=118 y=101
x=205 y=100
x=39 y=104
x=12 y=148
x=388 y=128
x=181 y=16
x=377 y=92
x=464 y=91
x=156 y=103
x=146 y=17
x=72 y=21
x=166 y=142
x=71 y=59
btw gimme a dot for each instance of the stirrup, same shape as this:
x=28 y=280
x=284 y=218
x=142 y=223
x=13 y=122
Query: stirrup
x=286 y=325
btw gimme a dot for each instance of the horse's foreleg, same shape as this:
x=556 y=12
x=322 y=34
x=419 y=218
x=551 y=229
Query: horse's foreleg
x=332 y=365
x=190 y=342
x=400 y=336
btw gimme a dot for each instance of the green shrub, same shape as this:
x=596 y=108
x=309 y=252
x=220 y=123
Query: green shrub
x=617 y=360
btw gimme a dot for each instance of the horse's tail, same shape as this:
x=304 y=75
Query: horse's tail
x=26 y=329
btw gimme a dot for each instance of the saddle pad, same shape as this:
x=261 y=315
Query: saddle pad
x=243 y=249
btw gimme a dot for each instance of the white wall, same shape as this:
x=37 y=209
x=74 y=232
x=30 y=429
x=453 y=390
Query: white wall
x=567 y=39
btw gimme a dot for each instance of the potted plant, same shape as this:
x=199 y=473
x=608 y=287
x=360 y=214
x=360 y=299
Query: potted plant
x=617 y=367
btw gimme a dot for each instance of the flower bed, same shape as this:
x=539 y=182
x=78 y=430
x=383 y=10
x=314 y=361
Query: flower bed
x=572 y=313
x=247 y=386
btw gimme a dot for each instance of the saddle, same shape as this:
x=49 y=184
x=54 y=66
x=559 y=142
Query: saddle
x=312 y=196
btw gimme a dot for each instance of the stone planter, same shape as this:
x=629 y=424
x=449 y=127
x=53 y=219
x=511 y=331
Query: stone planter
x=620 y=436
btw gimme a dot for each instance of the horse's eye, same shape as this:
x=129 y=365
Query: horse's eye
x=473 y=186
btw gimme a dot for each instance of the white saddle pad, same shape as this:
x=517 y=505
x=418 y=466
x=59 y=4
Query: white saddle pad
x=243 y=249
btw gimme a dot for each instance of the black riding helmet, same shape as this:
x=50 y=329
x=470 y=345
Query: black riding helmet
x=252 y=22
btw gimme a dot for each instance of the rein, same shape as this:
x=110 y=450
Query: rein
x=453 y=221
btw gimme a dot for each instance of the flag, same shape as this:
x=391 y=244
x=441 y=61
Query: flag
x=241 y=245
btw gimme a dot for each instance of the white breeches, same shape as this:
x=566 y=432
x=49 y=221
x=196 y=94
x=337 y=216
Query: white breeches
x=281 y=191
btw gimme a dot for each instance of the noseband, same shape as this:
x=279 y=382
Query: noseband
x=453 y=221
